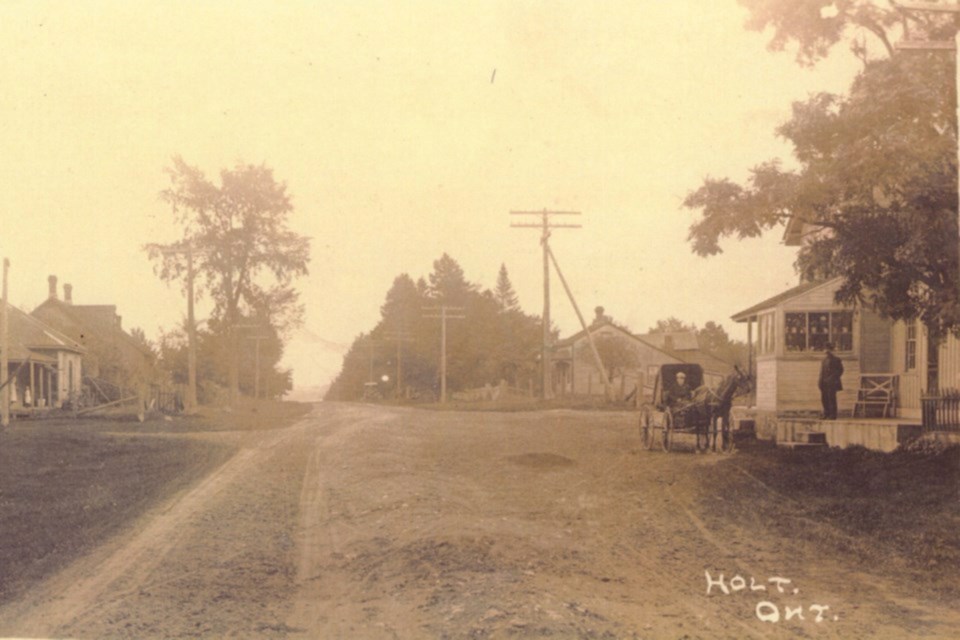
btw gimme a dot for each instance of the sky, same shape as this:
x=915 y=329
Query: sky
x=403 y=130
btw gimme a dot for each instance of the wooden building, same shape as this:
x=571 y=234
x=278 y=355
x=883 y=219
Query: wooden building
x=788 y=332
x=44 y=363
x=111 y=353
x=575 y=368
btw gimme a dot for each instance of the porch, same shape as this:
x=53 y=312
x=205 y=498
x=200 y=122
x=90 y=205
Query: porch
x=878 y=434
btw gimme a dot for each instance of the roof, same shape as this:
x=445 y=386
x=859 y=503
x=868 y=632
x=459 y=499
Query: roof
x=29 y=337
x=672 y=340
x=705 y=359
x=746 y=314
x=689 y=352
x=596 y=326
x=99 y=319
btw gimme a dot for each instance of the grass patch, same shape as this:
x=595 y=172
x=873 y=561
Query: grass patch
x=67 y=485
x=897 y=511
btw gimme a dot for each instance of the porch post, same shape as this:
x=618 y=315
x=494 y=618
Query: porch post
x=33 y=385
x=750 y=346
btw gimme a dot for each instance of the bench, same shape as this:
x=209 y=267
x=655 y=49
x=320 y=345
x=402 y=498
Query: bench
x=877 y=396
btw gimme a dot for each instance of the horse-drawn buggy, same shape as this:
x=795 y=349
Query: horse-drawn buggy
x=683 y=405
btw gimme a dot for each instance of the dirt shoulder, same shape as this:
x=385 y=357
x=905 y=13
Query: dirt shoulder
x=67 y=486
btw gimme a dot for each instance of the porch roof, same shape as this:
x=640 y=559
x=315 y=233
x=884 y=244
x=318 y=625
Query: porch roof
x=748 y=314
x=30 y=338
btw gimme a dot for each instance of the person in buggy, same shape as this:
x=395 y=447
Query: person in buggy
x=679 y=393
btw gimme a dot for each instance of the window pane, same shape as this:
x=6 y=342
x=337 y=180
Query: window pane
x=819 y=331
x=841 y=330
x=796 y=331
x=911 y=347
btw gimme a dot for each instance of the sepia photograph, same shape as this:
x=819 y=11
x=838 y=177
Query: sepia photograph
x=420 y=319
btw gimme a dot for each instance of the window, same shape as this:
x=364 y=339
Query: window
x=811 y=331
x=910 y=363
x=796 y=332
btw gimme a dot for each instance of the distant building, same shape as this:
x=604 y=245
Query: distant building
x=576 y=372
x=44 y=364
x=112 y=354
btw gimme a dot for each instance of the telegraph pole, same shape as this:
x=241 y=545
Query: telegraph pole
x=444 y=316
x=5 y=353
x=256 y=377
x=187 y=249
x=258 y=339
x=400 y=336
x=545 y=225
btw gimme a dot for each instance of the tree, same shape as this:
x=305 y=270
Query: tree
x=877 y=175
x=615 y=353
x=505 y=295
x=448 y=283
x=671 y=325
x=487 y=345
x=244 y=251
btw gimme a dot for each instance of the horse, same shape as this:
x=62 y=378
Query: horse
x=715 y=405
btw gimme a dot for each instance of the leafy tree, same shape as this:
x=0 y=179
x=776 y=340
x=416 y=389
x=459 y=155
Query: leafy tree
x=615 y=352
x=245 y=254
x=505 y=295
x=815 y=26
x=877 y=175
x=671 y=325
x=489 y=344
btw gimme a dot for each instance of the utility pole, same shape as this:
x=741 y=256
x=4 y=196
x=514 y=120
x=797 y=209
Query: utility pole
x=906 y=8
x=400 y=336
x=5 y=352
x=187 y=249
x=258 y=339
x=545 y=225
x=256 y=376
x=444 y=316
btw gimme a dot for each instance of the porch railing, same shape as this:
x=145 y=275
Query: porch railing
x=941 y=412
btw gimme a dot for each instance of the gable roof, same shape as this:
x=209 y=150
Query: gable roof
x=596 y=326
x=29 y=337
x=687 y=353
x=769 y=303
x=672 y=340
x=100 y=320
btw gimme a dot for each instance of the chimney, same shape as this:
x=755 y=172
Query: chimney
x=668 y=343
x=599 y=314
x=52 y=280
x=68 y=293
x=119 y=322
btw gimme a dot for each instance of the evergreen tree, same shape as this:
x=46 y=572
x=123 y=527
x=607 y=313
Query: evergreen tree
x=505 y=295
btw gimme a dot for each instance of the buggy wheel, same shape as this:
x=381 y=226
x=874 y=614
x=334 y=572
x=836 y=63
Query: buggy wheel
x=725 y=437
x=646 y=428
x=667 y=440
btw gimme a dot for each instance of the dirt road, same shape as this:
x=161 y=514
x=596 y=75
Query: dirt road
x=371 y=522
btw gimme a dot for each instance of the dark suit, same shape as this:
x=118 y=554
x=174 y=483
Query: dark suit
x=831 y=369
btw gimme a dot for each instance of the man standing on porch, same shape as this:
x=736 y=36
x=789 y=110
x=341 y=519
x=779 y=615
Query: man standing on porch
x=831 y=369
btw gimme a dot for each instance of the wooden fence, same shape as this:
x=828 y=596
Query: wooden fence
x=942 y=412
